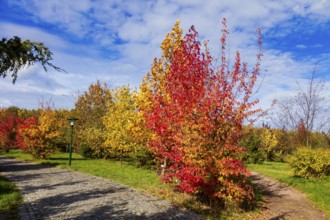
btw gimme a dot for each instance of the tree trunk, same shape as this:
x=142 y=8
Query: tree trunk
x=164 y=167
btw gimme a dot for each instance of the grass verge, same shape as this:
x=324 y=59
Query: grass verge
x=317 y=190
x=10 y=199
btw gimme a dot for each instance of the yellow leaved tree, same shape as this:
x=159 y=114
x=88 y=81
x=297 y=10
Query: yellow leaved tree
x=268 y=142
x=125 y=129
x=154 y=81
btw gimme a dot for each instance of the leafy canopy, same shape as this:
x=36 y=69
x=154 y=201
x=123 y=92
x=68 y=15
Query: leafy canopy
x=196 y=111
x=90 y=108
x=16 y=54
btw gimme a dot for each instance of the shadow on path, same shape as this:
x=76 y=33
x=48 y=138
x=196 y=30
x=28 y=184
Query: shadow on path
x=52 y=193
x=267 y=187
x=283 y=202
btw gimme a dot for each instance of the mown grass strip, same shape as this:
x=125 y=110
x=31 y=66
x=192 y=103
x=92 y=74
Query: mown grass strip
x=10 y=199
x=317 y=190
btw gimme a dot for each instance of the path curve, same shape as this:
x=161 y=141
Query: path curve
x=284 y=202
x=53 y=193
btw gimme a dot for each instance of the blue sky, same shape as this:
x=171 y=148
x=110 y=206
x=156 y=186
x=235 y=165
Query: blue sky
x=116 y=41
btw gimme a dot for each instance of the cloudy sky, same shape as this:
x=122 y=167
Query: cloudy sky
x=116 y=41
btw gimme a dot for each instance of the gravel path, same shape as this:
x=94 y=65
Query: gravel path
x=52 y=193
x=284 y=202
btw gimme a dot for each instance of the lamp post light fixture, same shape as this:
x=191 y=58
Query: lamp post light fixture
x=72 y=120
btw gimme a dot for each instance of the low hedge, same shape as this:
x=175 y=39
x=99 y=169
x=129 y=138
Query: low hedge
x=307 y=162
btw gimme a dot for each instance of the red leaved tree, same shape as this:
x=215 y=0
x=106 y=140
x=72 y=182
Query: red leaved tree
x=38 y=134
x=197 y=120
x=8 y=131
x=28 y=131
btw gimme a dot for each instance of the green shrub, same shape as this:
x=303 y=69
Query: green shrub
x=143 y=158
x=251 y=141
x=86 y=151
x=308 y=162
x=93 y=153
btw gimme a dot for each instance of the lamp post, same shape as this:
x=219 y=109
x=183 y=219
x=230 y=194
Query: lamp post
x=72 y=120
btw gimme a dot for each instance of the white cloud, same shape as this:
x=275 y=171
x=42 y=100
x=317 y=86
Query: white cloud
x=4 y=103
x=32 y=33
x=134 y=32
x=85 y=32
x=320 y=9
x=301 y=46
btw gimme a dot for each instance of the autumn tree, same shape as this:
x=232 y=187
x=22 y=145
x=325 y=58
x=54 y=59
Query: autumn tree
x=285 y=144
x=27 y=131
x=26 y=113
x=8 y=132
x=38 y=134
x=154 y=81
x=16 y=54
x=90 y=108
x=268 y=142
x=125 y=131
x=63 y=139
x=9 y=121
x=196 y=112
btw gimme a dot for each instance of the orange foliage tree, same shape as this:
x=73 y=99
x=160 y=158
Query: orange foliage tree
x=196 y=113
x=37 y=134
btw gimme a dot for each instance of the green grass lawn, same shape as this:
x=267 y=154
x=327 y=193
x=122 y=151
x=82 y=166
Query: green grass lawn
x=317 y=190
x=10 y=199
